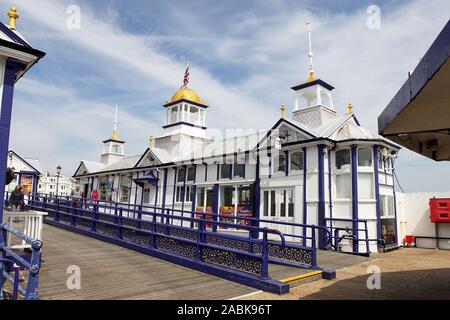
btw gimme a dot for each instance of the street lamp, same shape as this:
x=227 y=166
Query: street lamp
x=58 y=172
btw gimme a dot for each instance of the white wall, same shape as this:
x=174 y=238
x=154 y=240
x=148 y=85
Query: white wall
x=414 y=217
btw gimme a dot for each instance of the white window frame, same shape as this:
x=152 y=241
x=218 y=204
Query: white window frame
x=279 y=194
x=292 y=171
x=342 y=172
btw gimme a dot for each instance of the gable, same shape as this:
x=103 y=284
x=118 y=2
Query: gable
x=351 y=130
x=82 y=170
x=287 y=132
x=148 y=159
x=19 y=163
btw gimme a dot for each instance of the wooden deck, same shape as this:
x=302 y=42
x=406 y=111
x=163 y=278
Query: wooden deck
x=112 y=272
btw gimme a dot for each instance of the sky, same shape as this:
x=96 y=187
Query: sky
x=244 y=57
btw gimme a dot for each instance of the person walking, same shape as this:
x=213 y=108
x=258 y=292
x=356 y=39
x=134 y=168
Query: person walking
x=16 y=199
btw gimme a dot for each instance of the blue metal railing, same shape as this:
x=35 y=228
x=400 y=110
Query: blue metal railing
x=349 y=229
x=10 y=261
x=150 y=226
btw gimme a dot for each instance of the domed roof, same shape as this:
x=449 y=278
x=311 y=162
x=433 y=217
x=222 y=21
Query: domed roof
x=187 y=94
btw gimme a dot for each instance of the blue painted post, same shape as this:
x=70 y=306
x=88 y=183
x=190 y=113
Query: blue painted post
x=216 y=206
x=305 y=203
x=33 y=272
x=286 y=163
x=153 y=236
x=313 y=247
x=264 y=256
x=74 y=221
x=119 y=223
x=354 y=152
x=395 y=204
x=377 y=191
x=330 y=192
x=164 y=193
x=321 y=208
x=193 y=198
x=11 y=67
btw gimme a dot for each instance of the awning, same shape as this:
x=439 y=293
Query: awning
x=418 y=117
x=149 y=178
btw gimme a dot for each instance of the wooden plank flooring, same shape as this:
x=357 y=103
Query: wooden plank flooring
x=112 y=272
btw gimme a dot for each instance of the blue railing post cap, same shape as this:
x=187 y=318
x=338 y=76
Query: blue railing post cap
x=328 y=274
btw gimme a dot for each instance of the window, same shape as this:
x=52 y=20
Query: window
x=365 y=185
x=179 y=194
x=296 y=161
x=146 y=197
x=343 y=186
x=239 y=170
x=380 y=160
x=225 y=171
x=278 y=203
x=188 y=196
x=387 y=206
x=181 y=175
x=279 y=164
x=364 y=157
x=343 y=159
x=191 y=174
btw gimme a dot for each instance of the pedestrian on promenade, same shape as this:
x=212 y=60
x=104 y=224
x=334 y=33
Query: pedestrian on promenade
x=16 y=199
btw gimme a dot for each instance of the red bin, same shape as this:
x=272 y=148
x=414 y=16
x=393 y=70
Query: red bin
x=440 y=209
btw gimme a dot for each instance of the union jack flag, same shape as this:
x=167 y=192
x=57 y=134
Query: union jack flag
x=186 y=77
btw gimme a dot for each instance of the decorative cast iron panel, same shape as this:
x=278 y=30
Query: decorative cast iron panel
x=176 y=247
x=236 y=244
x=288 y=253
x=232 y=260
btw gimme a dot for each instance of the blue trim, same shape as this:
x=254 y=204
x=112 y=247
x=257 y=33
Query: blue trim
x=184 y=188
x=194 y=201
x=305 y=203
x=377 y=190
x=286 y=162
x=257 y=198
x=330 y=190
x=206 y=172
x=164 y=195
x=218 y=172
x=321 y=206
x=5 y=124
x=183 y=122
x=354 y=152
x=313 y=83
x=185 y=100
x=216 y=205
x=9 y=33
x=136 y=189
x=269 y=154
x=157 y=189
x=174 y=189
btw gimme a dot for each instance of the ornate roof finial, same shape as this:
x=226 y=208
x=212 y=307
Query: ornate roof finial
x=283 y=111
x=114 y=135
x=311 y=76
x=150 y=142
x=350 y=108
x=13 y=16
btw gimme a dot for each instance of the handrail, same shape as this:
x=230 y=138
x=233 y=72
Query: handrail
x=32 y=266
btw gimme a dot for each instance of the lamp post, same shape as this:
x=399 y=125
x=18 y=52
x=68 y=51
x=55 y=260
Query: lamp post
x=58 y=172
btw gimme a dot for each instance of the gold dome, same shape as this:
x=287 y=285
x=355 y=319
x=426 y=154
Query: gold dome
x=187 y=94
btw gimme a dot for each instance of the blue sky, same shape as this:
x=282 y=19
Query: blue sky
x=244 y=55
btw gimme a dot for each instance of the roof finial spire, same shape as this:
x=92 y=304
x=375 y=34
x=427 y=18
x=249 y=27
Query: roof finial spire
x=114 y=135
x=350 y=108
x=311 y=76
x=283 y=111
x=150 y=142
x=13 y=16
